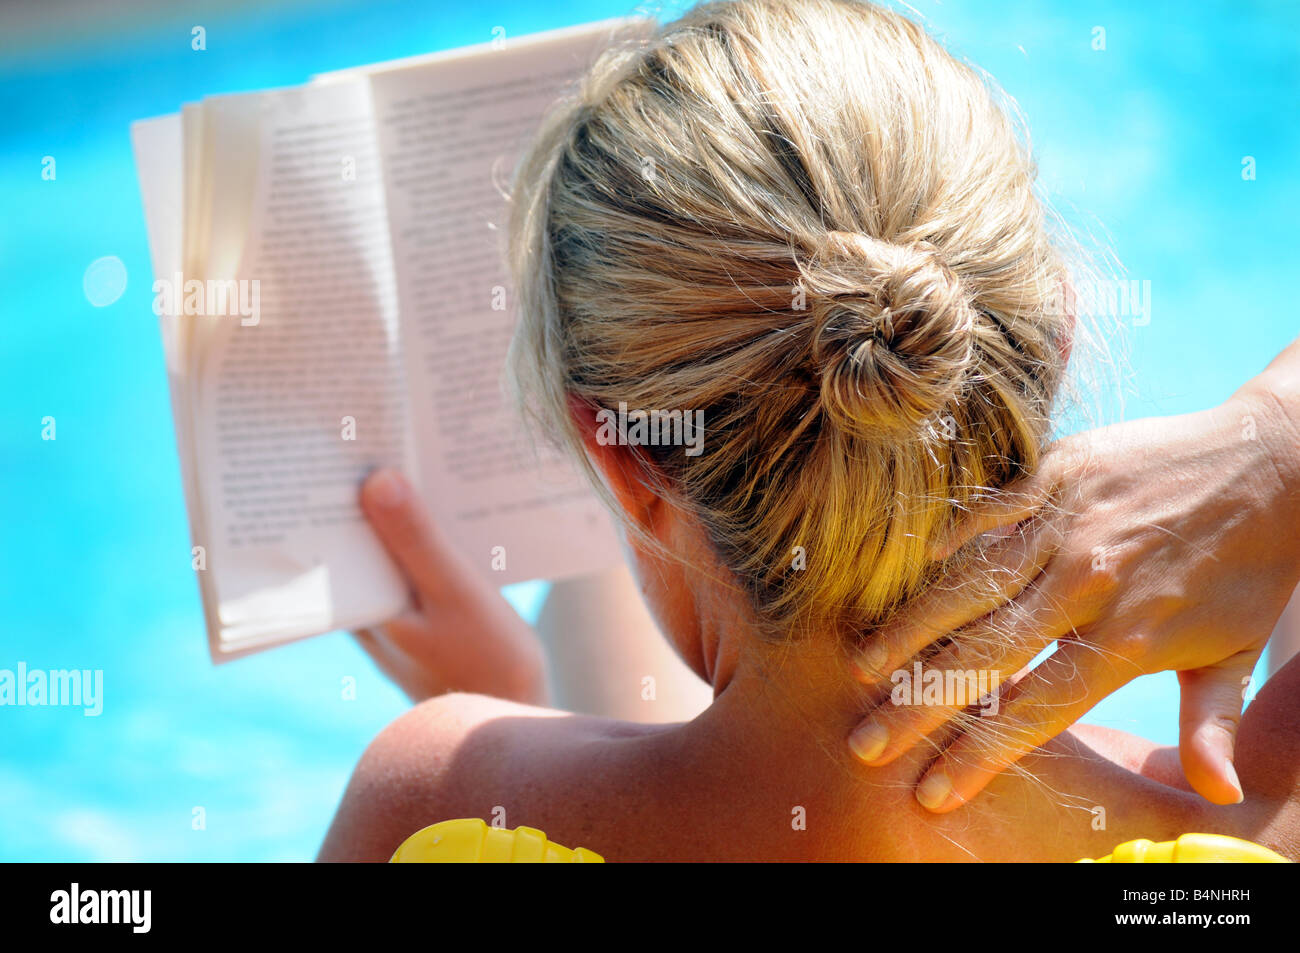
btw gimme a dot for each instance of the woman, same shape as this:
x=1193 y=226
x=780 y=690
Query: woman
x=813 y=226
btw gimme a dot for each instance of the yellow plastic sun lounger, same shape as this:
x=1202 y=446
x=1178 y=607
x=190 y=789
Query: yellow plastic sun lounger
x=470 y=840
x=1191 y=849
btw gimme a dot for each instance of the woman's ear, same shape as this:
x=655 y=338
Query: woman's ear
x=622 y=468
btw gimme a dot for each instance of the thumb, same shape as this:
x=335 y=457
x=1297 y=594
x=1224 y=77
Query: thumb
x=1209 y=714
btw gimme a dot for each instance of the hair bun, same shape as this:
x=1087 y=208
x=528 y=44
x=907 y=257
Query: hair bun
x=893 y=332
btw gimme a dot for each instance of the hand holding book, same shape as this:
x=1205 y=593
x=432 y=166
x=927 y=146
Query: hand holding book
x=461 y=634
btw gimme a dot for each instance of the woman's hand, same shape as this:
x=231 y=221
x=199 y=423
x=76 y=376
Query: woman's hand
x=462 y=635
x=1170 y=544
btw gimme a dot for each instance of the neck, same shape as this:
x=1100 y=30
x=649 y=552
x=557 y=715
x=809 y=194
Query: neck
x=772 y=751
x=774 y=743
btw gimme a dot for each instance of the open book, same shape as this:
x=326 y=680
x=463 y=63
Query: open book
x=333 y=298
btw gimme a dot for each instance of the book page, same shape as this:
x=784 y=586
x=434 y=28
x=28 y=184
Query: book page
x=160 y=157
x=295 y=364
x=450 y=131
x=156 y=144
x=167 y=154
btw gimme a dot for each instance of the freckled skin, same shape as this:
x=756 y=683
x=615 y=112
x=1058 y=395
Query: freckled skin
x=716 y=789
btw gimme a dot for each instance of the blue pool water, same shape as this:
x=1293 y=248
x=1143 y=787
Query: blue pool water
x=1146 y=136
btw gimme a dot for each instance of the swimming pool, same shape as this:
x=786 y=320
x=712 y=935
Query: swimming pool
x=1146 y=135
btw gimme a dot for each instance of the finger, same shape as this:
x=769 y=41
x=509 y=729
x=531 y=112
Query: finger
x=379 y=644
x=998 y=576
x=983 y=656
x=405 y=634
x=394 y=649
x=411 y=538
x=1208 y=716
x=1010 y=505
x=380 y=650
x=1056 y=694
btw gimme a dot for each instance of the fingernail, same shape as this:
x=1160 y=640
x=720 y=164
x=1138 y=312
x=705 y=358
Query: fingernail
x=868 y=741
x=872 y=658
x=933 y=792
x=1231 y=772
x=388 y=489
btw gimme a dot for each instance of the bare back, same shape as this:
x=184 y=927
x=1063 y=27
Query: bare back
x=687 y=792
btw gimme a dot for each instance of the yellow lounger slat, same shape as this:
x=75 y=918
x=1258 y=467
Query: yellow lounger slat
x=470 y=841
x=1191 y=849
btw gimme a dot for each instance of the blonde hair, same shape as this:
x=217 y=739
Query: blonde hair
x=812 y=223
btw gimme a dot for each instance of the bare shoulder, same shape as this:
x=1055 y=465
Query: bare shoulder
x=1092 y=787
x=462 y=755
